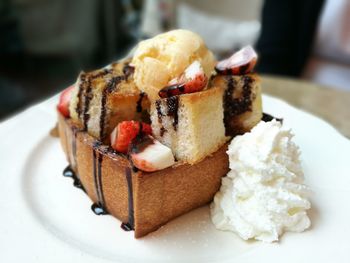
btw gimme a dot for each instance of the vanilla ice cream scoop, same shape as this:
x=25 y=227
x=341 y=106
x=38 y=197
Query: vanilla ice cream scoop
x=166 y=56
x=263 y=195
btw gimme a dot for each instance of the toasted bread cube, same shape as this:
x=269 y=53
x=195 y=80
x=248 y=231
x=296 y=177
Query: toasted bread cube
x=103 y=98
x=190 y=124
x=242 y=102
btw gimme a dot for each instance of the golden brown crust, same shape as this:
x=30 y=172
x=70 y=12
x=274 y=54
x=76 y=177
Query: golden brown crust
x=157 y=197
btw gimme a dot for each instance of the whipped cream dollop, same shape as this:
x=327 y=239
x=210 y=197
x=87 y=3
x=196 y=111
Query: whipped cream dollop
x=263 y=195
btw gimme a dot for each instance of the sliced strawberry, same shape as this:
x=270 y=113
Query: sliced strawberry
x=125 y=132
x=63 y=104
x=192 y=80
x=150 y=155
x=241 y=62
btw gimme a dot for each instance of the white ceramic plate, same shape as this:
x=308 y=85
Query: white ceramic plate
x=45 y=219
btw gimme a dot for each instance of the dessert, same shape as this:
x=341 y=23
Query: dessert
x=263 y=195
x=146 y=137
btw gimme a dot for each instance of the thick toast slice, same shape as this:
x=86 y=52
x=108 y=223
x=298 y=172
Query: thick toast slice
x=142 y=201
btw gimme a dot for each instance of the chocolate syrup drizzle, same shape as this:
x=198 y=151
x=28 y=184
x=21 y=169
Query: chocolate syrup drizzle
x=236 y=106
x=85 y=91
x=160 y=117
x=267 y=117
x=139 y=102
x=173 y=106
x=128 y=70
x=99 y=207
x=69 y=172
x=88 y=97
x=110 y=87
x=130 y=224
x=80 y=94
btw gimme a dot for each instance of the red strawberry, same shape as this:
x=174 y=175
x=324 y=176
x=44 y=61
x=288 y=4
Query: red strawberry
x=125 y=132
x=63 y=104
x=192 y=80
x=150 y=155
x=241 y=62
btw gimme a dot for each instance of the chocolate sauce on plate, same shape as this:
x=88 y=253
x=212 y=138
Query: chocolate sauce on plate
x=69 y=172
x=126 y=227
x=267 y=117
x=98 y=209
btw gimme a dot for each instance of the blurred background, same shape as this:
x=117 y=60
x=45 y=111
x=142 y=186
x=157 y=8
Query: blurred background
x=44 y=44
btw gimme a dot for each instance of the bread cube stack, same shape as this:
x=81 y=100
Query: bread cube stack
x=103 y=98
x=192 y=124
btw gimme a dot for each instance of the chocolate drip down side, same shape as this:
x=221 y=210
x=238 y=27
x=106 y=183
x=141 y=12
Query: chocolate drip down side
x=98 y=207
x=86 y=86
x=88 y=97
x=128 y=70
x=85 y=94
x=236 y=106
x=139 y=102
x=128 y=226
x=160 y=117
x=69 y=172
x=81 y=89
x=110 y=87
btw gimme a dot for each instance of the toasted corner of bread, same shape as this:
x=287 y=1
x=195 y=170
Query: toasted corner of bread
x=103 y=98
x=196 y=130
x=242 y=101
